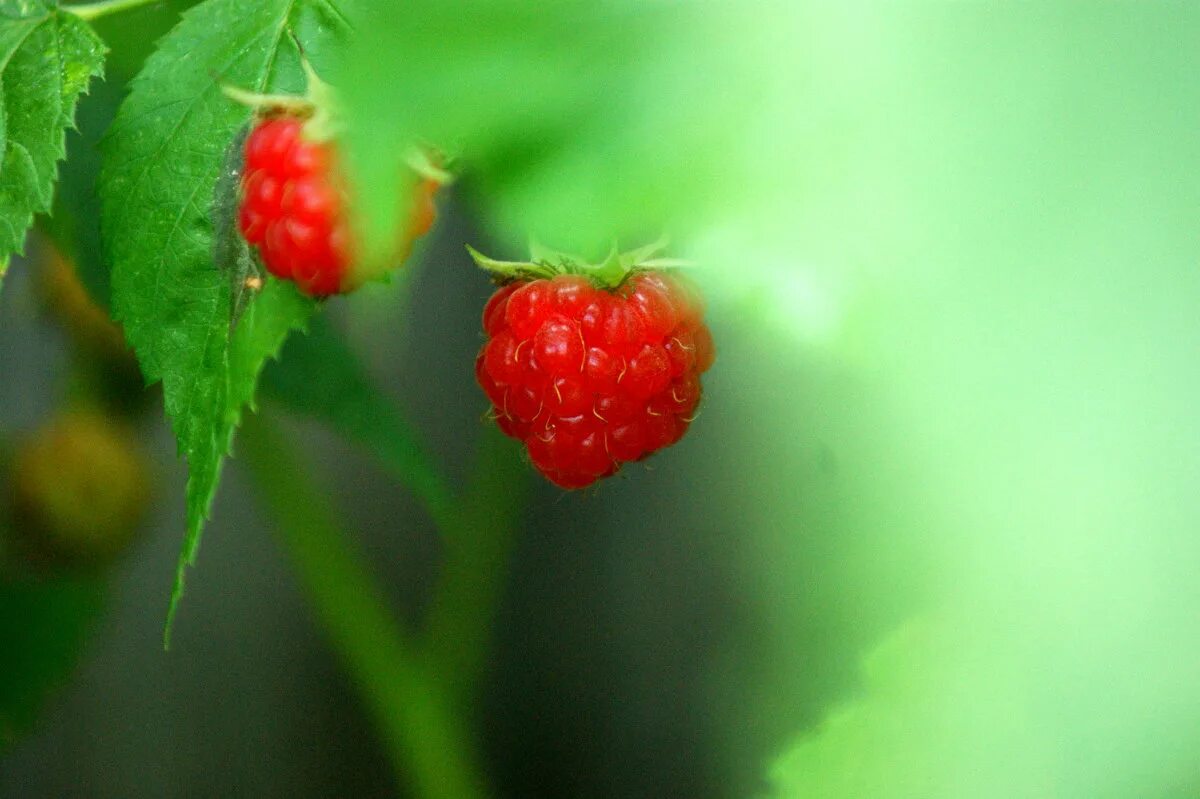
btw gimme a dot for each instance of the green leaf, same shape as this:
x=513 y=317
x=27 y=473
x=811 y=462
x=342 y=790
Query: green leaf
x=47 y=59
x=74 y=222
x=578 y=123
x=163 y=157
x=42 y=628
x=1007 y=407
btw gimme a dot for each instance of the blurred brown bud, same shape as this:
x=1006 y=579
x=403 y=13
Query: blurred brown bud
x=80 y=488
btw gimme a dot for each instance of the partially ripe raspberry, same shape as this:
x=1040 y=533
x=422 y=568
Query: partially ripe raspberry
x=589 y=377
x=293 y=208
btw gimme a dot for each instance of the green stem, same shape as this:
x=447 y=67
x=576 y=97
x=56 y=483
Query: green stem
x=346 y=399
x=404 y=459
x=91 y=11
x=425 y=737
x=458 y=631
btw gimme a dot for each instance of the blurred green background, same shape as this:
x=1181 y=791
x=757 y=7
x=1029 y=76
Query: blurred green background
x=936 y=531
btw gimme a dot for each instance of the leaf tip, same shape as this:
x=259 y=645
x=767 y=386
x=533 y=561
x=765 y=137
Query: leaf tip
x=176 y=597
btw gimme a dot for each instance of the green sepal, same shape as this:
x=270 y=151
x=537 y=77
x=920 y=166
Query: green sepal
x=609 y=273
x=418 y=161
x=318 y=105
x=508 y=271
x=540 y=252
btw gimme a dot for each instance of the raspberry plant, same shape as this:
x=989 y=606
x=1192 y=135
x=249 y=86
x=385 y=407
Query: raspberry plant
x=233 y=202
x=952 y=251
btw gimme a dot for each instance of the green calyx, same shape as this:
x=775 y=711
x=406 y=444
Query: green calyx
x=318 y=105
x=320 y=109
x=609 y=273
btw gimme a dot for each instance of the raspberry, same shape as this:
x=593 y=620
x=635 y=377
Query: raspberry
x=589 y=375
x=293 y=208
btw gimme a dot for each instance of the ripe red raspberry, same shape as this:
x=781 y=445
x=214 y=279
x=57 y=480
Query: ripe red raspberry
x=293 y=208
x=590 y=377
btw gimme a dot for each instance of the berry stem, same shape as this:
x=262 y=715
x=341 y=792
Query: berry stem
x=477 y=549
x=425 y=735
x=477 y=523
x=102 y=8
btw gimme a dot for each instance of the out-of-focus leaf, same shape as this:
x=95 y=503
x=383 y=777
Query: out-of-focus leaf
x=941 y=716
x=42 y=630
x=74 y=222
x=47 y=59
x=577 y=123
x=999 y=254
x=163 y=157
